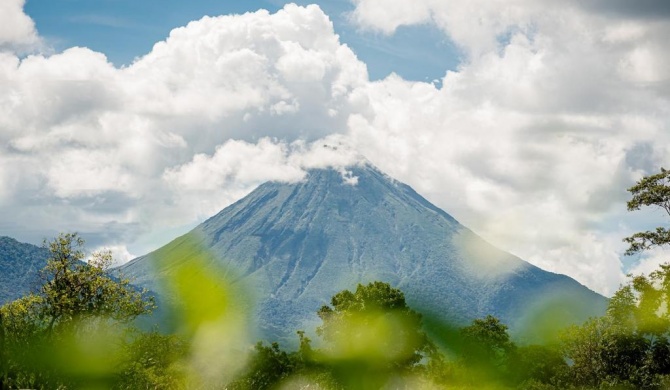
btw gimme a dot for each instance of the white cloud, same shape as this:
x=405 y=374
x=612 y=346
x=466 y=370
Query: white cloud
x=235 y=163
x=534 y=139
x=120 y=253
x=474 y=25
x=531 y=142
x=208 y=182
x=650 y=262
x=250 y=68
x=78 y=173
x=119 y=152
x=17 y=30
x=388 y=15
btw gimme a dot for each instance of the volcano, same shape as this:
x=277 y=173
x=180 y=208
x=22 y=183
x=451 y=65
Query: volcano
x=299 y=243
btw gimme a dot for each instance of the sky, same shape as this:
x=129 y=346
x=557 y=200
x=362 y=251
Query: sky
x=131 y=122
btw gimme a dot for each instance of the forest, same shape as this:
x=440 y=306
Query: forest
x=82 y=328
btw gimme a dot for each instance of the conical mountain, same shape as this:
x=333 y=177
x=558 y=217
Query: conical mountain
x=298 y=244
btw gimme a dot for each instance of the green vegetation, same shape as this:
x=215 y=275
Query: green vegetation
x=368 y=339
x=78 y=331
x=654 y=191
x=69 y=330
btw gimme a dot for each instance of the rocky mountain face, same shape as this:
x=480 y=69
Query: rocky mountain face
x=298 y=244
x=20 y=264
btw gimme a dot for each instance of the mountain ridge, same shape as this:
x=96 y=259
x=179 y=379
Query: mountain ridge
x=20 y=264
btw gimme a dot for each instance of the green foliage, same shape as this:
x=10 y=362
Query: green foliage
x=371 y=335
x=641 y=305
x=536 y=366
x=604 y=355
x=487 y=341
x=49 y=337
x=267 y=367
x=374 y=320
x=487 y=348
x=208 y=312
x=74 y=289
x=153 y=361
x=652 y=190
x=76 y=332
x=629 y=346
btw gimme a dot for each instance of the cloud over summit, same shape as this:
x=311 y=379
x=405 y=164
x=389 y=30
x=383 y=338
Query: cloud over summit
x=79 y=132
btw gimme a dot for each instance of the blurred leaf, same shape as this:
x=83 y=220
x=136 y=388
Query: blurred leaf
x=210 y=312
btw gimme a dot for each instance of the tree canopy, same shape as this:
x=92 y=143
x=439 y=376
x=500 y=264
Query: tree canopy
x=374 y=319
x=77 y=300
x=653 y=190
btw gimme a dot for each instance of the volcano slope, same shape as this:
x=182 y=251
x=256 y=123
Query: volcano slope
x=298 y=244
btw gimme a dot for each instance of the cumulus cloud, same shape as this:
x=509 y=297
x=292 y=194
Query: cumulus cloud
x=531 y=142
x=473 y=25
x=17 y=30
x=177 y=135
x=251 y=75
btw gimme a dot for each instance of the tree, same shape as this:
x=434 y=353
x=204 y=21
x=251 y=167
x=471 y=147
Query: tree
x=605 y=354
x=652 y=190
x=487 y=340
x=153 y=361
x=540 y=365
x=486 y=348
x=639 y=309
x=371 y=335
x=376 y=317
x=74 y=289
x=77 y=301
x=267 y=367
x=581 y=346
x=629 y=346
x=3 y=354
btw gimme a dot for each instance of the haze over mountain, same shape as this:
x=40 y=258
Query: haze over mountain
x=297 y=244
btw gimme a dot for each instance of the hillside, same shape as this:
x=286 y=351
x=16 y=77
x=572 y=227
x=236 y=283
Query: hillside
x=300 y=243
x=19 y=268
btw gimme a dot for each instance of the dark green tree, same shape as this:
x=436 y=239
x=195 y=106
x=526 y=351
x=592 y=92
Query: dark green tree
x=487 y=340
x=651 y=190
x=360 y=316
x=604 y=354
x=582 y=346
x=540 y=365
x=486 y=349
x=628 y=347
x=267 y=367
x=371 y=335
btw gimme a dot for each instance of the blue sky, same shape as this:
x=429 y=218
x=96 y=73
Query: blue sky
x=542 y=115
x=126 y=29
